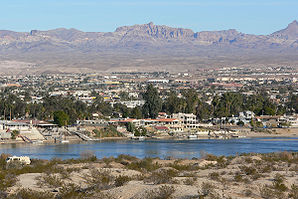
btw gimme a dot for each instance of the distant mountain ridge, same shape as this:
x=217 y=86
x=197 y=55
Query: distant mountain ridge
x=149 y=34
x=144 y=40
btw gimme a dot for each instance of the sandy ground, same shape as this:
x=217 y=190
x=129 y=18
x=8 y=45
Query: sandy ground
x=223 y=179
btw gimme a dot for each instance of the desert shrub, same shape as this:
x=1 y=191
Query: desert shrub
x=190 y=181
x=163 y=176
x=99 y=179
x=256 y=176
x=145 y=164
x=289 y=157
x=102 y=195
x=7 y=180
x=222 y=162
x=248 y=160
x=74 y=169
x=293 y=192
x=223 y=173
x=211 y=157
x=295 y=168
x=206 y=189
x=214 y=176
x=278 y=183
x=276 y=190
x=124 y=157
x=51 y=181
x=163 y=192
x=248 y=193
x=38 y=167
x=182 y=167
x=266 y=169
x=248 y=170
x=108 y=161
x=14 y=165
x=121 y=180
x=72 y=191
x=3 y=158
x=3 y=194
x=266 y=192
x=238 y=177
x=31 y=194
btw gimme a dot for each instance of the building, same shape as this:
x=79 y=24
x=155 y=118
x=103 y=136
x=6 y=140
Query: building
x=188 y=120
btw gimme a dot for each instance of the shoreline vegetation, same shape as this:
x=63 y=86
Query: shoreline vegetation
x=252 y=175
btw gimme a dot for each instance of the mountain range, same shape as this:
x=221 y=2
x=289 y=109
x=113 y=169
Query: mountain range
x=143 y=47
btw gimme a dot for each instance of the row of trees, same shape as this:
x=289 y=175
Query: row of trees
x=228 y=104
x=66 y=110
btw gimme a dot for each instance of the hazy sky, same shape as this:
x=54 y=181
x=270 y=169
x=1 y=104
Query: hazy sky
x=248 y=16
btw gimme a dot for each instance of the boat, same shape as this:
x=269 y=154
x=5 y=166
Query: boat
x=37 y=142
x=192 y=137
x=140 y=138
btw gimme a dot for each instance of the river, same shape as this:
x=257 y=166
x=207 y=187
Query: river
x=154 y=148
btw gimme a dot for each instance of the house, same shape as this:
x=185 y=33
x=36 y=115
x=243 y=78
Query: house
x=161 y=128
x=188 y=120
x=12 y=125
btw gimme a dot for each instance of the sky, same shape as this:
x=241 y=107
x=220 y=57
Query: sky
x=247 y=16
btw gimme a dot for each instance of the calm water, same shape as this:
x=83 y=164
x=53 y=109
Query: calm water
x=154 y=148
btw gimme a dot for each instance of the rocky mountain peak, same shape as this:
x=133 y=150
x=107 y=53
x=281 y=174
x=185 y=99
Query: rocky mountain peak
x=155 y=31
x=290 y=32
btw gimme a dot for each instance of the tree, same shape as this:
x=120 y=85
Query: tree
x=99 y=105
x=153 y=103
x=130 y=127
x=191 y=99
x=136 y=113
x=203 y=110
x=14 y=134
x=293 y=103
x=61 y=118
x=173 y=104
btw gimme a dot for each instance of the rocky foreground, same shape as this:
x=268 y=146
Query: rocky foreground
x=273 y=175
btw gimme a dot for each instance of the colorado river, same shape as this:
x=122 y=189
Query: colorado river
x=154 y=148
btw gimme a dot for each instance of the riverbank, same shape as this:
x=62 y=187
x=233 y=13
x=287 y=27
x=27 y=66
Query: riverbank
x=290 y=132
x=271 y=175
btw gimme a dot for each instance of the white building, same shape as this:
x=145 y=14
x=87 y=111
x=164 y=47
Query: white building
x=188 y=120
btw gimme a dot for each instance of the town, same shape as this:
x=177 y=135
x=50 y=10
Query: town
x=219 y=103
